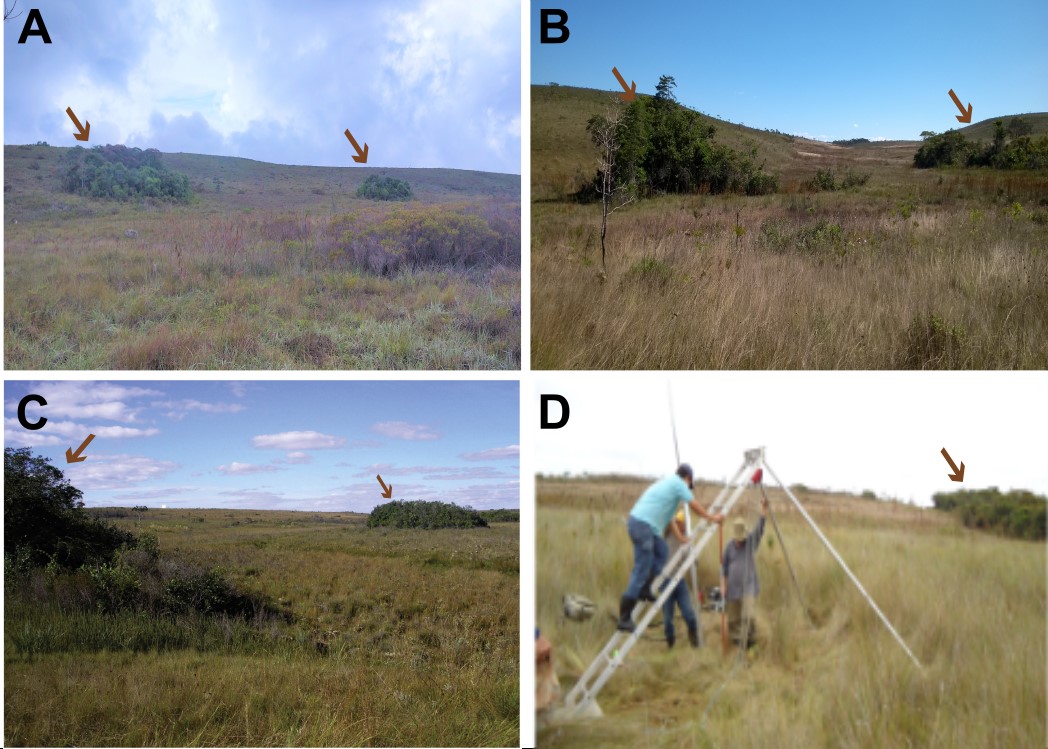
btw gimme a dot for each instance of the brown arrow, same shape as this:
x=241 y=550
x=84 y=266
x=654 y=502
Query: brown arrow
x=963 y=116
x=630 y=92
x=362 y=156
x=85 y=130
x=958 y=473
x=76 y=457
x=387 y=491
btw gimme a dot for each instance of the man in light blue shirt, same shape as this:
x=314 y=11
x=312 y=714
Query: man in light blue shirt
x=647 y=521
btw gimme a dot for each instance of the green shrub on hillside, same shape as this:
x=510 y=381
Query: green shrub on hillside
x=663 y=147
x=826 y=180
x=428 y=515
x=122 y=173
x=1008 y=150
x=384 y=188
x=1020 y=514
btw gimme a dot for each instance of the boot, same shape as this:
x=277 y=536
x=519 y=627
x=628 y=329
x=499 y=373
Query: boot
x=626 y=614
x=646 y=593
x=693 y=636
x=670 y=640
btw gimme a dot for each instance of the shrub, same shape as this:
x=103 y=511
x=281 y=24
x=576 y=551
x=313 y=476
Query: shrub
x=650 y=271
x=1020 y=514
x=44 y=516
x=427 y=515
x=932 y=343
x=122 y=173
x=384 y=188
x=661 y=147
x=826 y=180
x=823 y=180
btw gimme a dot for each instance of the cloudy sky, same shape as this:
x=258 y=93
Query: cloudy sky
x=851 y=431
x=277 y=445
x=425 y=83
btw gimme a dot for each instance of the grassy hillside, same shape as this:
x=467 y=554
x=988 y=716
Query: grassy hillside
x=397 y=638
x=563 y=157
x=912 y=269
x=270 y=267
x=970 y=605
x=983 y=130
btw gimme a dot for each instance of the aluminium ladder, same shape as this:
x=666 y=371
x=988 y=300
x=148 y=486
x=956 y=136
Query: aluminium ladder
x=585 y=691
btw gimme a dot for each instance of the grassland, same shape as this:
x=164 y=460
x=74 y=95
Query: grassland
x=255 y=273
x=916 y=269
x=970 y=605
x=395 y=638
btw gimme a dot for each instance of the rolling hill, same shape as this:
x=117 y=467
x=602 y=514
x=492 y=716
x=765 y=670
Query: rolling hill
x=34 y=170
x=562 y=155
x=983 y=130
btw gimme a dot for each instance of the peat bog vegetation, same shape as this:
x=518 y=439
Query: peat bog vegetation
x=350 y=635
x=843 y=256
x=261 y=266
x=970 y=604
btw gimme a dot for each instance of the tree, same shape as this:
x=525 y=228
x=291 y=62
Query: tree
x=44 y=516
x=604 y=131
x=926 y=134
x=1019 y=126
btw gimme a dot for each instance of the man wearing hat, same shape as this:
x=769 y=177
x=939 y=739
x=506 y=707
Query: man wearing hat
x=739 y=578
x=647 y=521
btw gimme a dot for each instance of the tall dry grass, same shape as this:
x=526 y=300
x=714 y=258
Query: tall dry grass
x=419 y=633
x=860 y=280
x=971 y=606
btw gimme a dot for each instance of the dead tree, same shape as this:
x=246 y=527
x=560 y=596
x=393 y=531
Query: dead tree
x=614 y=191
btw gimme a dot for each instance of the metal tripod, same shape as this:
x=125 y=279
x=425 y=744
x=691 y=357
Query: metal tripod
x=583 y=694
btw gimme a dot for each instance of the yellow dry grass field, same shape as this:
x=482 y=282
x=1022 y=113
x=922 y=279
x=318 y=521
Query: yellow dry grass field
x=970 y=605
x=393 y=638
x=914 y=269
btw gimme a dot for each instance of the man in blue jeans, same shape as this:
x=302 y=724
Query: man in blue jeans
x=647 y=521
x=681 y=596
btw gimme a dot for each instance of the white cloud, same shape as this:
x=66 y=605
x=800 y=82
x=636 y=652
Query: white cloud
x=56 y=432
x=297 y=441
x=403 y=430
x=181 y=408
x=494 y=453
x=116 y=471
x=245 y=469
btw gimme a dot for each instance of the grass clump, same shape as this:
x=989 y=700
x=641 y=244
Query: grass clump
x=650 y=272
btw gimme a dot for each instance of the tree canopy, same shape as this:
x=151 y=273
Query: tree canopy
x=122 y=173
x=664 y=147
x=44 y=517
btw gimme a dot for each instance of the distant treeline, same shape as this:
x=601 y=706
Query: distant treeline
x=1020 y=514
x=122 y=173
x=663 y=147
x=852 y=142
x=426 y=515
x=1011 y=148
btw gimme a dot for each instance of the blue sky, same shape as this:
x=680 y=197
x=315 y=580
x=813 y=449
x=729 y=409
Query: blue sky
x=826 y=70
x=425 y=83
x=315 y=445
